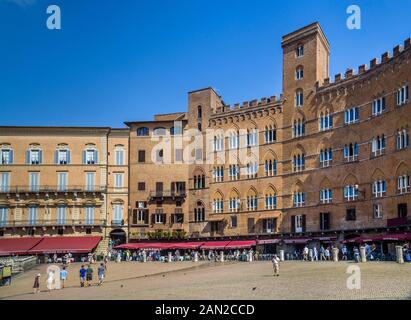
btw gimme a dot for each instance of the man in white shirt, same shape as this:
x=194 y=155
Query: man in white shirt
x=276 y=265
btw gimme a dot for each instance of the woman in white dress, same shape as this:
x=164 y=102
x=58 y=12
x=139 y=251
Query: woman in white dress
x=50 y=280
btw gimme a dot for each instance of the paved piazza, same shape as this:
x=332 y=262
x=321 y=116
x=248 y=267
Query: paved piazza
x=186 y=280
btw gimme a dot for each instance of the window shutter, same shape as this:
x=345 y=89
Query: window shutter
x=40 y=156
x=68 y=157
x=56 y=157
x=152 y=218
x=96 y=157
x=28 y=157
x=11 y=156
x=84 y=157
x=164 y=217
x=292 y=223
x=398 y=95
x=304 y=222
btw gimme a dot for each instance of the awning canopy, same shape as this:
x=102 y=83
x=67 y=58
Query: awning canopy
x=386 y=237
x=210 y=245
x=269 y=241
x=12 y=246
x=160 y=245
x=297 y=241
x=65 y=245
x=241 y=244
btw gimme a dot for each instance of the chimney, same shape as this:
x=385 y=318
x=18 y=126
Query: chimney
x=361 y=69
x=385 y=57
x=373 y=63
x=349 y=73
x=337 y=77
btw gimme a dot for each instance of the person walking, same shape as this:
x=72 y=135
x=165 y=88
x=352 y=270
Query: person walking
x=63 y=277
x=315 y=254
x=305 y=254
x=82 y=276
x=322 y=253
x=356 y=254
x=36 y=285
x=327 y=253
x=276 y=265
x=344 y=252
x=89 y=275
x=101 y=272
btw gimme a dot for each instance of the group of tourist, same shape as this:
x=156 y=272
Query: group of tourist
x=85 y=277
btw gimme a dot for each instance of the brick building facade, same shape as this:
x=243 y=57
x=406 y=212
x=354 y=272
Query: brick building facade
x=324 y=157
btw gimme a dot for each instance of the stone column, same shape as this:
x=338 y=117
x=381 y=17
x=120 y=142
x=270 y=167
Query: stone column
x=363 y=255
x=400 y=255
x=335 y=254
x=310 y=255
x=282 y=255
x=170 y=257
x=222 y=256
x=195 y=256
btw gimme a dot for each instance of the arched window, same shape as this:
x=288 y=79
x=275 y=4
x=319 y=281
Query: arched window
x=326 y=157
x=252 y=137
x=299 y=98
x=218 y=203
x=199 y=212
x=299 y=162
x=325 y=121
x=90 y=154
x=351 y=152
x=298 y=128
x=143 y=131
x=299 y=73
x=199 y=112
x=270 y=199
x=252 y=200
x=159 y=131
x=403 y=139
x=270 y=167
x=252 y=169
x=235 y=202
x=270 y=134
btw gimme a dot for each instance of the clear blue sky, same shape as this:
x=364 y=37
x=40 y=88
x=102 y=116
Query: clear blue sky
x=116 y=61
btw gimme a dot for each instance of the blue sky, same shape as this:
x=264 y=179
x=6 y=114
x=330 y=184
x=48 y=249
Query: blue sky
x=116 y=61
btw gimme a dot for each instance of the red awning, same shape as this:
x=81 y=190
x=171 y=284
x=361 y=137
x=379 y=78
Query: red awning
x=65 y=245
x=210 y=245
x=12 y=246
x=297 y=241
x=269 y=241
x=241 y=244
x=185 y=245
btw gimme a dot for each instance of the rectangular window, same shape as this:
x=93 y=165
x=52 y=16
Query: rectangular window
x=4 y=181
x=378 y=106
x=6 y=156
x=32 y=216
x=178 y=155
x=141 y=186
x=403 y=184
x=379 y=188
x=352 y=115
x=61 y=215
x=89 y=216
x=34 y=156
x=299 y=52
x=378 y=146
x=141 y=156
x=3 y=216
x=326 y=196
x=269 y=225
x=299 y=223
x=62 y=156
x=233 y=222
x=324 y=221
x=34 y=181
x=402 y=95
x=118 y=214
x=119 y=180
x=351 y=214
x=90 y=156
x=403 y=139
x=378 y=213
x=299 y=199
x=90 y=181
x=62 y=181
x=351 y=193
x=119 y=157
x=159 y=218
x=351 y=152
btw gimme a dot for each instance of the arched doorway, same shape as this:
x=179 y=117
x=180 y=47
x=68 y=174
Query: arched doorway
x=118 y=237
